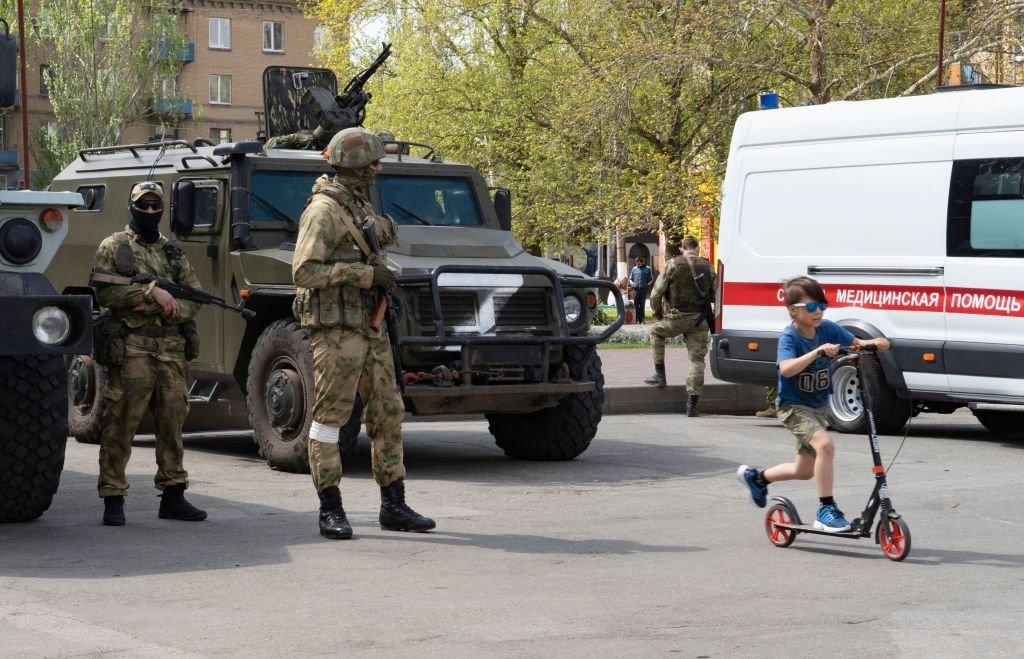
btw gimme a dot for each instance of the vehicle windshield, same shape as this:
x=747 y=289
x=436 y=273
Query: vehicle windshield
x=429 y=200
x=416 y=200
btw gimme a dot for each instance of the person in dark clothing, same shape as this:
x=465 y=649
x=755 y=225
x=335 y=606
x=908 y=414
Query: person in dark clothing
x=640 y=278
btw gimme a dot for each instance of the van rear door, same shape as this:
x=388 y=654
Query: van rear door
x=985 y=266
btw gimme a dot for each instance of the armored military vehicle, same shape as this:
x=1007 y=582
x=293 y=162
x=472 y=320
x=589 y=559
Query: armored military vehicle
x=483 y=326
x=38 y=328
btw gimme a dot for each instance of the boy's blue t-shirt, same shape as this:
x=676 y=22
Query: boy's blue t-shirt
x=812 y=386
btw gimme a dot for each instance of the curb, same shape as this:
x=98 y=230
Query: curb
x=736 y=399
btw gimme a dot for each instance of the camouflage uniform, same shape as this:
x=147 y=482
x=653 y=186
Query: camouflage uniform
x=676 y=290
x=302 y=139
x=153 y=369
x=333 y=301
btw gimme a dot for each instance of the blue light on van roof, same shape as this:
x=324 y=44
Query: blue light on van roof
x=768 y=101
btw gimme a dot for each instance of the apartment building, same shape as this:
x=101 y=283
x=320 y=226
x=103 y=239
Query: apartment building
x=230 y=43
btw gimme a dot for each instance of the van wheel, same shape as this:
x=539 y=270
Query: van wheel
x=1010 y=423
x=33 y=433
x=556 y=433
x=87 y=382
x=846 y=409
x=279 y=395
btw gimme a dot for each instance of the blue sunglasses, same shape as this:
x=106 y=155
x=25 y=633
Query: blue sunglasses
x=812 y=306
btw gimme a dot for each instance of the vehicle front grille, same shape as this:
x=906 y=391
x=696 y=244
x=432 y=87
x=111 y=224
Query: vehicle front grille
x=521 y=309
x=457 y=309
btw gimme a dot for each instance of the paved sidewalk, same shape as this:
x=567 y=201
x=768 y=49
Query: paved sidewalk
x=625 y=392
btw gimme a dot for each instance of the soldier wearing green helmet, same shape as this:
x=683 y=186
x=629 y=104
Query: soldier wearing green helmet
x=335 y=292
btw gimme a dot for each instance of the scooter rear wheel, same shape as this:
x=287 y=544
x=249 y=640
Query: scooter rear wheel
x=778 y=536
x=894 y=538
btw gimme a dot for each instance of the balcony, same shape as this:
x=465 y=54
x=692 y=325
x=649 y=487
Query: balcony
x=172 y=106
x=8 y=159
x=185 y=54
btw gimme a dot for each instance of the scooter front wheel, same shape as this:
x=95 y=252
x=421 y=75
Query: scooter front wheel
x=777 y=535
x=894 y=538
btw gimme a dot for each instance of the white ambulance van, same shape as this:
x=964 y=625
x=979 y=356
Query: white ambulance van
x=910 y=212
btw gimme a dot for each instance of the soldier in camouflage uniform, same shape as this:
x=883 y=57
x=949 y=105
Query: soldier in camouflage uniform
x=150 y=372
x=336 y=288
x=302 y=140
x=677 y=304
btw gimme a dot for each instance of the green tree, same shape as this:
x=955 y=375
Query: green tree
x=107 y=62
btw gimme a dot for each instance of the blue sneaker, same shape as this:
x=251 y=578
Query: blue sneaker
x=758 y=493
x=830 y=519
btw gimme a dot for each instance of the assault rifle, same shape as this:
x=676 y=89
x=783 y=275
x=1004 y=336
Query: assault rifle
x=384 y=310
x=101 y=277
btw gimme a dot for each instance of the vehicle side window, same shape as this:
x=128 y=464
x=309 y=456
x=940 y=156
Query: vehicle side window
x=93 y=196
x=207 y=205
x=279 y=196
x=986 y=208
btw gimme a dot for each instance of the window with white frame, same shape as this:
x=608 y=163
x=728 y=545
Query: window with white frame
x=273 y=37
x=3 y=181
x=220 y=90
x=220 y=135
x=168 y=87
x=220 y=33
x=321 y=37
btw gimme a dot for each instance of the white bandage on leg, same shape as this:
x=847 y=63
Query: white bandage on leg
x=324 y=433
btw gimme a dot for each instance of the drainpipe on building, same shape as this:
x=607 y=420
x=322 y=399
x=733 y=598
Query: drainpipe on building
x=24 y=92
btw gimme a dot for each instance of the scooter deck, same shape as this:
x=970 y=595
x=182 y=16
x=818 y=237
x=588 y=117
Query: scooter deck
x=808 y=528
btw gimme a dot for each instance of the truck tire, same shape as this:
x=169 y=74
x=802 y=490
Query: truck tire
x=33 y=433
x=997 y=421
x=279 y=396
x=556 y=433
x=846 y=412
x=87 y=382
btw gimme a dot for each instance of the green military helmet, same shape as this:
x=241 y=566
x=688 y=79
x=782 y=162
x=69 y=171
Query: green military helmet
x=354 y=148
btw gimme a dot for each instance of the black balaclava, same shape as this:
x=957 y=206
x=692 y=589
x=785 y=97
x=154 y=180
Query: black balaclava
x=147 y=225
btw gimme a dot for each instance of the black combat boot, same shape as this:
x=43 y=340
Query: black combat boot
x=113 y=511
x=395 y=515
x=658 y=379
x=174 y=506
x=691 y=405
x=333 y=522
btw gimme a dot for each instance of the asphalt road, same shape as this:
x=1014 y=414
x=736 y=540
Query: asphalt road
x=645 y=545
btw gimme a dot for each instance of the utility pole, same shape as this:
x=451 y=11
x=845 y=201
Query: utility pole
x=24 y=92
x=942 y=42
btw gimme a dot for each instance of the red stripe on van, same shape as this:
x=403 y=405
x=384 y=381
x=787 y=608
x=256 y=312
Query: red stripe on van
x=982 y=301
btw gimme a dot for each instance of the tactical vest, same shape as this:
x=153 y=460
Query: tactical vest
x=684 y=294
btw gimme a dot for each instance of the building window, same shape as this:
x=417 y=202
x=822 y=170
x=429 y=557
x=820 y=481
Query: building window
x=220 y=90
x=3 y=181
x=273 y=37
x=220 y=135
x=220 y=33
x=321 y=38
x=168 y=88
x=44 y=70
x=3 y=134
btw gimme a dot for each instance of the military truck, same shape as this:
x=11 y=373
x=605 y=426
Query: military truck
x=38 y=328
x=483 y=326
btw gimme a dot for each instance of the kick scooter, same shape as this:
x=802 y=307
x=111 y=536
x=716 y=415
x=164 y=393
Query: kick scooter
x=782 y=522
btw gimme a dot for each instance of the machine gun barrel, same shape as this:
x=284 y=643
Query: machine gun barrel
x=355 y=85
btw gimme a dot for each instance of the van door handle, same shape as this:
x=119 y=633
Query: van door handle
x=895 y=271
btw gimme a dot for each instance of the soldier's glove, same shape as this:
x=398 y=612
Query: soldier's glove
x=383 y=278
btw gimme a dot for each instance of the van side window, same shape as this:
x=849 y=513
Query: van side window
x=986 y=208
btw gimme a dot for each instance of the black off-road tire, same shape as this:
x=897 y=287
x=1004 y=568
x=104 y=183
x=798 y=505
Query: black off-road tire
x=557 y=433
x=85 y=420
x=998 y=421
x=284 y=345
x=891 y=411
x=33 y=433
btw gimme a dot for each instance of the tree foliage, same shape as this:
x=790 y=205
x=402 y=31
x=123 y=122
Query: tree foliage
x=606 y=115
x=107 y=59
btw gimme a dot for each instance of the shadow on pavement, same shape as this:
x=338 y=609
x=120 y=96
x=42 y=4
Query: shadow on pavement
x=924 y=555
x=534 y=544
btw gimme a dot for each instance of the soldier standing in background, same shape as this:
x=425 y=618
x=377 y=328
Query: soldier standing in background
x=679 y=302
x=335 y=293
x=145 y=357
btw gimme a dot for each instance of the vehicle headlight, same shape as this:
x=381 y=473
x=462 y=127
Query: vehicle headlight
x=573 y=309
x=20 y=241
x=51 y=325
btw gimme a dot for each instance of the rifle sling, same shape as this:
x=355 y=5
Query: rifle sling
x=350 y=225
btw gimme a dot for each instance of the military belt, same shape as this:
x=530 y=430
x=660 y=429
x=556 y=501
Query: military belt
x=154 y=332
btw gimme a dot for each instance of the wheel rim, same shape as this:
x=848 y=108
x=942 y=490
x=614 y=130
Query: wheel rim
x=845 y=399
x=82 y=383
x=284 y=398
x=778 y=535
x=892 y=539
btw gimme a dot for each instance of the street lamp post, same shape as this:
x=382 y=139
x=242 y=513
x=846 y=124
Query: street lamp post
x=24 y=92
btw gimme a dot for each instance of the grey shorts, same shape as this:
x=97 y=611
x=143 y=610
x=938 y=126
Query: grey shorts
x=803 y=422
